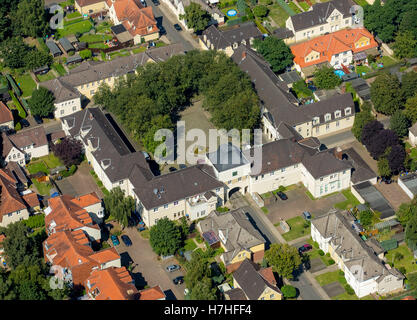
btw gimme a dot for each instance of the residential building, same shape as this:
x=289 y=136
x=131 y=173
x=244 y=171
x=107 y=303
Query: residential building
x=412 y=134
x=24 y=145
x=361 y=171
x=251 y=282
x=321 y=18
x=283 y=116
x=138 y=20
x=153 y=293
x=72 y=258
x=19 y=174
x=14 y=205
x=237 y=236
x=336 y=49
x=408 y=183
x=90 y=7
x=6 y=117
x=92 y=204
x=111 y=284
x=230 y=167
x=229 y=40
x=84 y=80
x=364 y=271
x=178 y=8
x=286 y=162
x=63 y=213
x=118 y=166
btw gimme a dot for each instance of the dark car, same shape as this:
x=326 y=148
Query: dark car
x=114 y=240
x=38 y=119
x=126 y=240
x=305 y=248
x=178 y=280
x=24 y=123
x=146 y=155
x=162 y=30
x=172 y=169
x=177 y=27
x=182 y=166
x=307 y=215
x=173 y=267
x=386 y=180
x=282 y=195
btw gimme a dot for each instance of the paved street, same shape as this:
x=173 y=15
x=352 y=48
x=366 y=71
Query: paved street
x=304 y=283
x=167 y=19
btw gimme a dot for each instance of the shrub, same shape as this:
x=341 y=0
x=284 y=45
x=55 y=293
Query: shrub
x=403 y=270
x=328 y=254
x=321 y=252
x=342 y=280
x=289 y=291
x=341 y=273
x=398 y=256
x=349 y=290
x=315 y=245
x=35 y=221
x=331 y=261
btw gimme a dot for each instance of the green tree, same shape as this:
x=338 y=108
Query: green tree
x=409 y=22
x=158 y=122
x=406 y=211
x=411 y=108
x=195 y=17
x=260 y=11
x=283 y=258
x=405 y=45
x=241 y=6
x=399 y=123
x=289 y=291
x=42 y=102
x=275 y=51
x=366 y=217
x=411 y=233
x=165 y=237
x=13 y=52
x=185 y=228
x=325 y=78
x=86 y=54
x=197 y=269
x=409 y=85
x=30 y=19
x=412 y=280
x=203 y=290
x=35 y=59
x=386 y=94
x=383 y=167
x=119 y=206
x=361 y=119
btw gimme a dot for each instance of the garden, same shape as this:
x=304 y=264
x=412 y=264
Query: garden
x=402 y=258
x=350 y=201
x=26 y=84
x=299 y=228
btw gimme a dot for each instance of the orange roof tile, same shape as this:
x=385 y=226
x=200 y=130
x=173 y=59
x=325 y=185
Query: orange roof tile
x=330 y=44
x=2 y=238
x=408 y=298
x=31 y=199
x=154 y=293
x=86 y=200
x=111 y=284
x=268 y=275
x=5 y=114
x=10 y=199
x=105 y=255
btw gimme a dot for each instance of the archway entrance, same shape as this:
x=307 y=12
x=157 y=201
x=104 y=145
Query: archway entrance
x=233 y=191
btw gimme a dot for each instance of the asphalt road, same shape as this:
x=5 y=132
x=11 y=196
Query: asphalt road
x=304 y=286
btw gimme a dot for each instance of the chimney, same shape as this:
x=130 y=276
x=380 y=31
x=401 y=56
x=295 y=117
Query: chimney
x=243 y=55
x=338 y=153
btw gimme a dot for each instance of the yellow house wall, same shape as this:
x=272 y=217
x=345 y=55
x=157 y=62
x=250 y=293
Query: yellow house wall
x=96 y=7
x=243 y=255
x=266 y=295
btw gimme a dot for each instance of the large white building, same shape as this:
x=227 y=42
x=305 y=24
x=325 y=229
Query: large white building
x=360 y=260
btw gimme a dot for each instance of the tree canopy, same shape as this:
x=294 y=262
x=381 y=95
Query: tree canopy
x=165 y=237
x=42 y=102
x=386 y=94
x=119 y=206
x=405 y=45
x=411 y=233
x=383 y=167
x=30 y=19
x=406 y=211
x=325 y=78
x=361 y=119
x=69 y=151
x=260 y=11
x=275 y=51
x=195 y=17
x=284 y=259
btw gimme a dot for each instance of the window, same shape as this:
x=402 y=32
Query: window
x=203 y=212
x=317 y=129
x=316 y=120
x=336 y=55
x=337 y=123
x=82 y=86
x=271 y=296
x=74 y=108
x=155 y=209
x=175 y=215
x=10 y=214
x=234 y=174
x=321 y=28
x=240 y=179
x=321 y=179
x=327 y=117
x=256 y=178
x=229 y=182
x=283 y=169
x=165 y=206
x=295 y=166
x=272 y=173
x=263 y=176
x=120 y=182
x=175 y=203
x=217 y=190
x=306 y=58
x=327 y=126
x=91 y=92
x=348 y=111
x=299 y=129
x=337 y=114
x=346 y=21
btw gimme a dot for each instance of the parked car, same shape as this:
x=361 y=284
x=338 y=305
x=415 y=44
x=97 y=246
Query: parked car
x=38 y=119
x=146 y=155
x=305 y=248
x=162 y=30
x=182 y=166
x=307 y=215
x=172 y=169
x=173 y=267
x=126 y=240
x=178 y=280
x=386 y=180
x=115 y=240
x=24 y=123
x=177 y=27
x=282 y=195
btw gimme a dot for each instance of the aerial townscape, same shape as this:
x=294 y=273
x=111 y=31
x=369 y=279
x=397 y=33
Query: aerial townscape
x=208 y=150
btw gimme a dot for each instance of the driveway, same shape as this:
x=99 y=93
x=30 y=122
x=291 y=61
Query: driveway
x=393 y=193
x=297 y=202
x=80 y=183
x=148 y=270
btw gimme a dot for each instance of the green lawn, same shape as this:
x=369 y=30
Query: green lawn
x=294 y=7
x=406 y=262
x=72 y=15
x=81 y=27
x=362 y=69
x=328 y=277
x=349 y=203
x=26 y=84
x=121 y=53
x=44 y=164
x=278 y=14
x=95 y=37
x=43 y=187
x=103 y=27
x=387 y=61
x=137 y=50
x=97 y=45
x=59 y=68
x=189 y=245
x=224 y=10
x=45 y=77
x=361 y=2
x=298 y=229
x=37 y=167
x=304 y=5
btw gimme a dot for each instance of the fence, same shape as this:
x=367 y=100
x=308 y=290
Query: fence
x=111 y=49
x=14 y=85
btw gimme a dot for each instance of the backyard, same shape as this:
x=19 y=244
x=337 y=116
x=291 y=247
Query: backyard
x=43 y=164
x=26 y=84
x=299 y=228
x=407 y=261
x=70 y=28
x=45 y=77
x=350 y=201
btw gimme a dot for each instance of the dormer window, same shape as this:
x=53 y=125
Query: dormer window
x=327 y=117
x=348 y=111
x=337 y=114
x=316 y=120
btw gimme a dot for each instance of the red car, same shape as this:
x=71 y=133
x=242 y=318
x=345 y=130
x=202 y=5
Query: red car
x=305 y=248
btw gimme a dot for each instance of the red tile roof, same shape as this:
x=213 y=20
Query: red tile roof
x=111 y=284
x=330 y=44
x=5 y=114
x=154 y=293
x=86 y=200
x=268 y=275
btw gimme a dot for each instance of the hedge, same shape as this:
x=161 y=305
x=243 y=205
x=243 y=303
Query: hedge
x=22 y=112
x=35 y=221
x=237 y=21
x=70 y=172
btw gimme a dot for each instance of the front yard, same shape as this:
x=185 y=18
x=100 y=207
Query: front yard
x=350 y=202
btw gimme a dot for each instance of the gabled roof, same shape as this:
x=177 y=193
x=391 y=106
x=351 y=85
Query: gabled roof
x=35 y=136
x=111 y=284
x=361 y=171
x=83 y=3
x=6 y=114
x=252 y=281
x=154 y=293
x=86 y=200
x=227 y=157
x=319 y=13
x=61 y=90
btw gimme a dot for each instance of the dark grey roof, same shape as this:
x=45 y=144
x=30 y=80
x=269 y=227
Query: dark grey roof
x=62 y=92
x=410 y=181
x=283 y=33
x=319 y=12
x=53 y=47
x=236 y=294
x=75 y=58
x=290 y=77
x=413 y=129
x=349 y=76
x=250 y=281
x=66 y=45
x=275 y=95
x=227 y=157
x=376 y=200
x=360 y=169
x=118 y=29
x=224 y=39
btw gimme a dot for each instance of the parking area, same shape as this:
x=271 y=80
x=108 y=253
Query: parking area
x=333 y=289
x=393 y=193
x=147 y=269
x=297 y=202
x=80 y=183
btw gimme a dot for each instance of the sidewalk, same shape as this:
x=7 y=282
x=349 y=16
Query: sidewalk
x=331 y=268
x=292 y=242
